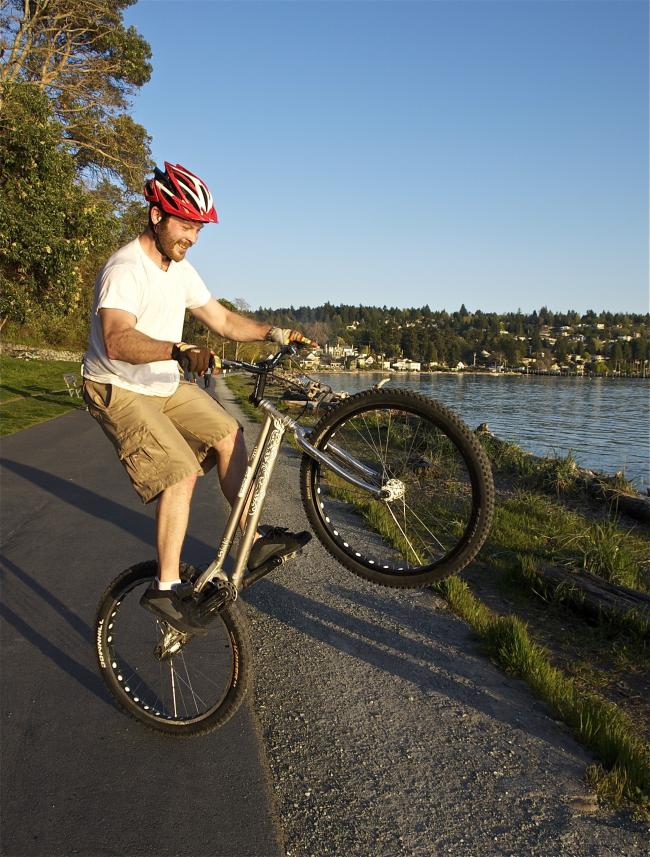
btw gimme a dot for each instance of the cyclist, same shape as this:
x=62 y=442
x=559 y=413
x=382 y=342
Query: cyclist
x=167 y=432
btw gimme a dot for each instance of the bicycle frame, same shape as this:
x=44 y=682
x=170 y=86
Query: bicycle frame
x=259 y=470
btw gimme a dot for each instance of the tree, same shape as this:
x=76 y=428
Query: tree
x=80 y=54
x=48 y=221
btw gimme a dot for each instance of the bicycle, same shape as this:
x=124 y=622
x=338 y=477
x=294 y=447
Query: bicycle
x=396 y=488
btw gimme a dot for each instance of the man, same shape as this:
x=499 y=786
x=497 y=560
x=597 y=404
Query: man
x=168 y=432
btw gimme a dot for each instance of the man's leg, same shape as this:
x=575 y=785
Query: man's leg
x=172 y=515
x=232 y=460
x=162 y=598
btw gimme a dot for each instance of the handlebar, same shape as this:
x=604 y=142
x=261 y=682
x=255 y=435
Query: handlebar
x=314 y=390
x=262 y=367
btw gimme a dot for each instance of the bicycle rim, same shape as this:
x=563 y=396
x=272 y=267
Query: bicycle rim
x=441 y=507
x=195 y=690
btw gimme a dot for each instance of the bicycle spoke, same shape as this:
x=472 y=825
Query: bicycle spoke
x=406 y=538
x=188 y=685
x=425 y=526
x=423 y=523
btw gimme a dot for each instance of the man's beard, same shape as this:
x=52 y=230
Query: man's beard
x=170 y=249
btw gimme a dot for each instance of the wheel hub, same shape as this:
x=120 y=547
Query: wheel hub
x=171 y=642
x=392 y=490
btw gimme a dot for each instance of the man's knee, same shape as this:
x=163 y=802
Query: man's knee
x=183 y=486
x=228 y=443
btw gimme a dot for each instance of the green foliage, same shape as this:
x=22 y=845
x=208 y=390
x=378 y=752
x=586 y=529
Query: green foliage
x=80 y=54
x=48 y=221
x=530 y=528
x=606 y=550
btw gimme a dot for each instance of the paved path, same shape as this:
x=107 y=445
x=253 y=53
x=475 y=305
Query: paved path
x=78 y=776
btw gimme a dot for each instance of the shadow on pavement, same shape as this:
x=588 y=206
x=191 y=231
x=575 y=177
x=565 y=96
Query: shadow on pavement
x=68 y=664
x=132 y=522
x=436 y=667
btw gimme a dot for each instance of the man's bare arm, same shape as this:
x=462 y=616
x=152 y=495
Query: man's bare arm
x=124 y=342
x=229 y=324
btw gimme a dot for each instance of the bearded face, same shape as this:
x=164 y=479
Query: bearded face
x=175 y=236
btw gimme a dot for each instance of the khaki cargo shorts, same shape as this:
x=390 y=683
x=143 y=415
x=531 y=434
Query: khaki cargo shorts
x=160 y=440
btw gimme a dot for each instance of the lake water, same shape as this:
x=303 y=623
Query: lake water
x=604 y=423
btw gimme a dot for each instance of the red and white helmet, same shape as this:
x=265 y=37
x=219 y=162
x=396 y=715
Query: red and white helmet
x=179 y=192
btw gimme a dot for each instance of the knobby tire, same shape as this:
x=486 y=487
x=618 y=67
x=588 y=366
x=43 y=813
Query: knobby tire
x=194 y=692
x=443 y=509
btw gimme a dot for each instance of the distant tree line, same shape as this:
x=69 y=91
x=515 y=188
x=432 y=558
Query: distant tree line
x=543 y=337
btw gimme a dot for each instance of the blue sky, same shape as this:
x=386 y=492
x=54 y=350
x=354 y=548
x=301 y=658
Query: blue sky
x=401 y=153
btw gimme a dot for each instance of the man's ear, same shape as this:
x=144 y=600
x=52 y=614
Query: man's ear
x=156 y=215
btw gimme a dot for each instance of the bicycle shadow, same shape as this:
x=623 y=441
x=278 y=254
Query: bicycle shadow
x=435 y=665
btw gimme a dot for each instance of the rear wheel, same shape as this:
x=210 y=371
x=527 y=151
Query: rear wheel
x=439 y=497
x=191 y=692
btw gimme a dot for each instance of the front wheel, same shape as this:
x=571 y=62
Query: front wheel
x=193 y=691
x=438 y=498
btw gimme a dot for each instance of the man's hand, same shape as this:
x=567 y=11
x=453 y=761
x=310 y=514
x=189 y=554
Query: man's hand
x=285 y=336
x=193 y=358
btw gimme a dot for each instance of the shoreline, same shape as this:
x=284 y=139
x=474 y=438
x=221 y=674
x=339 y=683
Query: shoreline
x=32 y=352
x=409 y=373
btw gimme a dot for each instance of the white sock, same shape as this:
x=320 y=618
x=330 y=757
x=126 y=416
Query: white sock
x=167 y=584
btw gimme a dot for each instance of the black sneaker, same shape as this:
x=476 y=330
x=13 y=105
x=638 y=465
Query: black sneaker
x=176 y=606
x=276 y=542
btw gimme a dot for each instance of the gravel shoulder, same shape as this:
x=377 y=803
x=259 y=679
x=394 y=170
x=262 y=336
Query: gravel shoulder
x=388 y=732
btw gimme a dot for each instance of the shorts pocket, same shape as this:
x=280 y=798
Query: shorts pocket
x=97 y=396
x=142 y=456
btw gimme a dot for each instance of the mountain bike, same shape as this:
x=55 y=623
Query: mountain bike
x=396 y=488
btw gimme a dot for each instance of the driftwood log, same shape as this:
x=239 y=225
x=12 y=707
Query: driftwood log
x=637 y=506
x=594 y=595
x=597 y=485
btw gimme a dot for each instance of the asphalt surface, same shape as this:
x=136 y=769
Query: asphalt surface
x=78 y=775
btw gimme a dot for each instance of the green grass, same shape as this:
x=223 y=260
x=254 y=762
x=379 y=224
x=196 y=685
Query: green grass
x=33 y=391
x=240 y=386
x=532 y=525
x=555 y=474
x=596 y=722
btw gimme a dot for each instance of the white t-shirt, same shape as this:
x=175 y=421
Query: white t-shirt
x=131 y=281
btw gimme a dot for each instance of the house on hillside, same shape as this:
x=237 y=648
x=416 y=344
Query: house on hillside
x=310 y=361
x=406 y=365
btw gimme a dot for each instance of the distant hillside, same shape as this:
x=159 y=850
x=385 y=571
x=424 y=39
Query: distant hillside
x=602 y=342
